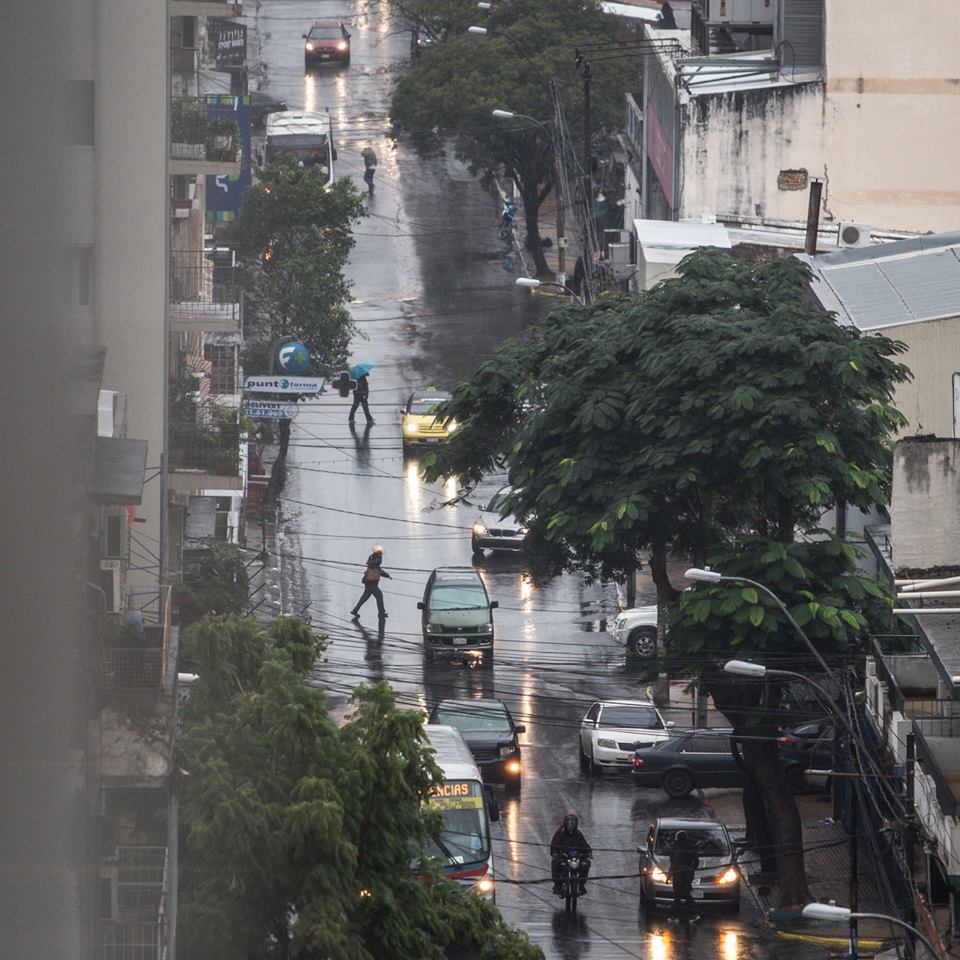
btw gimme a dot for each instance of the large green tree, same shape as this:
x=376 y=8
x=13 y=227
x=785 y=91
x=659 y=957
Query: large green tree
x=297 y=836
x=722 y=404
x=450 y=91
x=293 y=236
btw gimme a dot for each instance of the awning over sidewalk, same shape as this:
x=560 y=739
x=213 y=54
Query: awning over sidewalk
x=118 y=472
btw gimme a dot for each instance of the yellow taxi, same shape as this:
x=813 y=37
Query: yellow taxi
x=419 y=423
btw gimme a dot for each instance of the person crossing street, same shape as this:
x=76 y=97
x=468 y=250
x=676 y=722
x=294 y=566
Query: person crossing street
x=370 y=166
x=361 y=396
x=371 y=582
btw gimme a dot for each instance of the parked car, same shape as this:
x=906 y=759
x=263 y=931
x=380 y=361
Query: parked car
x=717 y=880
x=419 y=421
x=613 y=730
x=700 y=759
x=426 y=34
x=326 y=42
x=261 y=104
x=496 y=530
x=806 y=748
x=488 y=728
x=457 y=614
x=636 y=629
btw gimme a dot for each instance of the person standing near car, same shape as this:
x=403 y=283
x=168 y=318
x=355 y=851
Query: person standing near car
x=684 y=860
x=370 y=166
x=371 y=582
x=361 y=393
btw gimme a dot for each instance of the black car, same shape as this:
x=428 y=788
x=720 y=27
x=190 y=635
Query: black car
x=327 y=42
x=700 y=759
x=261 y=104
x=807 y=748
x=490 y=733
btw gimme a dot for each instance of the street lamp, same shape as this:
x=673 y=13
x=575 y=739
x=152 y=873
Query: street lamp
x=533 y=283
x=830 y=911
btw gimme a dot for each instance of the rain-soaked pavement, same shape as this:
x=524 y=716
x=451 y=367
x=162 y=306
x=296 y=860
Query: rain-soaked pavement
x=434 y=296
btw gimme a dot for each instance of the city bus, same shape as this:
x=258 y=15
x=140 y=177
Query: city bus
x=463 y=845
x=306 y=136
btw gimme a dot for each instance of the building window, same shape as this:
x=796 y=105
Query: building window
x=221 y=524
x=223 y=367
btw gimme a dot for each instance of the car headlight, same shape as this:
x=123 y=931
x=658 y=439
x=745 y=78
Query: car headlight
x=480 y=529
x=523 y=531
x=485 y=884
x=607 y=744
x=410 y=427
x=658 y=876
x=342 y=45
x=309 y=45
x=507 y=750
x=729 y=875
x=433 y=628
x=452 y=426
x=485 y=628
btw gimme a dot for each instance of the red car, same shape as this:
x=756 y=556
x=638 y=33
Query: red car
x=327 y=42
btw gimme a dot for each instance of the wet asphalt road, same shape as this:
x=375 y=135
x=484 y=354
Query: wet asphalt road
x=434 y=295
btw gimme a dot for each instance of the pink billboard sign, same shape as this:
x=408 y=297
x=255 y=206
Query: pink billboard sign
x=660 y=152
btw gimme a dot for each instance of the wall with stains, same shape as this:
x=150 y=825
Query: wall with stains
x=882 y=127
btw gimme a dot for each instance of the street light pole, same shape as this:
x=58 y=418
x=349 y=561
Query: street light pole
x=830 y=911
x=532 y=283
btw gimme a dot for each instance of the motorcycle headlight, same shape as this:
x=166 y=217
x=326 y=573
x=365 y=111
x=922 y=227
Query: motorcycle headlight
x=729 y=875
x=658 y=876
x=607 y=744
x=480 y=529
x=410 y=427
x=309 y=45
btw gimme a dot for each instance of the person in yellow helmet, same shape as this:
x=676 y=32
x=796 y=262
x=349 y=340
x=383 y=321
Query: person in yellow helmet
x=371 y=582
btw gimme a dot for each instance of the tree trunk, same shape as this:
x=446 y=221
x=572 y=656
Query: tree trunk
x=278 y=471
x=531 y=214
x=762 y=759
x=666 y=592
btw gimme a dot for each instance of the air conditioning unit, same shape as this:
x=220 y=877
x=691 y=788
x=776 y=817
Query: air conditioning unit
x=742 y=11
x=620 y=263
x=111 y=583
x=853 y=234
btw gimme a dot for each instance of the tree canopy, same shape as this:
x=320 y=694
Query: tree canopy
x=298 y=836
x=293 y=236
x=725 y=399
x=710 y=418
x=450 y=91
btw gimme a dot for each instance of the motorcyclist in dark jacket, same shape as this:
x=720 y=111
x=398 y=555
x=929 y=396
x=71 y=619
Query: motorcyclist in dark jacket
x=569 y=838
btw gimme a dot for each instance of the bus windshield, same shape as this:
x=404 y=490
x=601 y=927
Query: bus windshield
x=465 y=835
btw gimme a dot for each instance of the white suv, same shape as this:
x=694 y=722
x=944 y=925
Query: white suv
x=613 y=729
x=636 y=629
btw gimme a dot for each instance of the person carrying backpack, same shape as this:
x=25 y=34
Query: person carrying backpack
x=371 y=582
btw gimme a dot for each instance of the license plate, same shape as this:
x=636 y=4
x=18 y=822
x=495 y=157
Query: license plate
x=459 y=641
x=324 y=56
x=697 y=894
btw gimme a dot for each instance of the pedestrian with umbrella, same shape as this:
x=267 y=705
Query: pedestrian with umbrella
x=360 y=372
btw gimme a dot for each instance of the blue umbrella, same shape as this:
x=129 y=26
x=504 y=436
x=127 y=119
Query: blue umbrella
x=360 y=369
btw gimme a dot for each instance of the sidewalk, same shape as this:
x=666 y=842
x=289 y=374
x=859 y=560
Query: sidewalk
x=827 y=860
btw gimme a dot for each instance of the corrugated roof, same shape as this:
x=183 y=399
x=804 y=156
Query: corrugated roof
x=892 y=284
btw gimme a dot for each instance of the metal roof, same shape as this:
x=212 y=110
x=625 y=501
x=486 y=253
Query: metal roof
x=907 y=281
x=453 y=756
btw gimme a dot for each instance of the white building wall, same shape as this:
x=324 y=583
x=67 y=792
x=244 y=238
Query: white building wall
x=131 y=242
x=882 y=129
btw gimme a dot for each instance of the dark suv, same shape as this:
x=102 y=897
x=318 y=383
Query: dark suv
x=490 y=733
x=327 y=42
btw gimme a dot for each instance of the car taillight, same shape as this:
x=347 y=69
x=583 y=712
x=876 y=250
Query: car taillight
x=637 y=762
x=788 y=741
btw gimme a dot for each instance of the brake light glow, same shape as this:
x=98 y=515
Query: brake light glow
x=637 y=762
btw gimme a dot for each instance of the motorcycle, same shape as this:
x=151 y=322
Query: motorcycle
x=568 y=885
x=507 y=219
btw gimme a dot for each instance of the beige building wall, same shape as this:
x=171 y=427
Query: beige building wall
x=933 y=356
x=882 y=129
x=131 y=208
x=893 y=113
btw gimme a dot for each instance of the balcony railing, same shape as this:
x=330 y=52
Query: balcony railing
x=139 y=931
x=214 y=449
x=192 y=130
x=204 y=294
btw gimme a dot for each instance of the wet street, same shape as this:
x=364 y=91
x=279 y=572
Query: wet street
x=434 y=296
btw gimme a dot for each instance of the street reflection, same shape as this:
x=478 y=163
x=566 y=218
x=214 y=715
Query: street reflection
x=729 y=944
x=309 y=93
x=412 y=486
x=571 y=935
x=659 y=942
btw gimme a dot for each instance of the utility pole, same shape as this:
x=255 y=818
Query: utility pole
x=854 y=862
x=813 y=216
x=909 y=834
x=587 y=146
